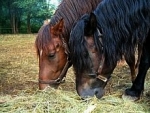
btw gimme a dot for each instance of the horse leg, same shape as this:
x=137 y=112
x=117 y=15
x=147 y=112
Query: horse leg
x=139 y=57
x=138 y=85
x=131 y=63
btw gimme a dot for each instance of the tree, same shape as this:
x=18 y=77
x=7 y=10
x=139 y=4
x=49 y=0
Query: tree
x=24 y=14
x=8 y=15
x=34 y=9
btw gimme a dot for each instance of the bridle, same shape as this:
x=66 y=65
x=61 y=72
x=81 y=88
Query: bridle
x=98 y=73
x=61 y=78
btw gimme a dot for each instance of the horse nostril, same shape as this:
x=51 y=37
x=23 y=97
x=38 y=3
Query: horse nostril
x=99 y=92
x=96 y=92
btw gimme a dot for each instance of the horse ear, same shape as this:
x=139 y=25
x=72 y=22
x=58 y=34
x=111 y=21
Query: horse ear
x=93 y=21
x=58 y=27
x=91 y=25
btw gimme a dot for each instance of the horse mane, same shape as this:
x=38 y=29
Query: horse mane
x=124 y=24
x=77 y=44
x=70 y=11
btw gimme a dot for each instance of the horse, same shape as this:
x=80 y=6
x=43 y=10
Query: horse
x=52 y=41
x=99 y=39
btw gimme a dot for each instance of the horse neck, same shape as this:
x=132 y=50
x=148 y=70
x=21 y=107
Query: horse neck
x=71 y=11
x=122 y=25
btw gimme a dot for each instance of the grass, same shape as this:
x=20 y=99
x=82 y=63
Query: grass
x=19 y=85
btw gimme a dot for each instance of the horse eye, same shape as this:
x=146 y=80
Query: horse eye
x=51 y=55
x=85 y=54
x=57 y=46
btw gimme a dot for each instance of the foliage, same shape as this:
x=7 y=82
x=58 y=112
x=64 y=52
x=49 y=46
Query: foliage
x=37 y=8
x=19 y=16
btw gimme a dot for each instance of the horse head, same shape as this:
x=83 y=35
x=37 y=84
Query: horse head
x=52 y=56
x=86 y=47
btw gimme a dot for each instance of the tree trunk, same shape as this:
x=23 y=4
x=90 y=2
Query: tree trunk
x=13 y=23
x=13 y=20
x=28 y=23
x=16 y=24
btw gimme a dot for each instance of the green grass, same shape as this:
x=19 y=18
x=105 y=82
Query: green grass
x=19 y=85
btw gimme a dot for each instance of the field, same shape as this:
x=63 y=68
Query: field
x=19 y=85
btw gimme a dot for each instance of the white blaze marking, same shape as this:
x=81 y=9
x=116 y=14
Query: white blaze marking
x=41 y=51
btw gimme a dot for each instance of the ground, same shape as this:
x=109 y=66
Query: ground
x=19 y=85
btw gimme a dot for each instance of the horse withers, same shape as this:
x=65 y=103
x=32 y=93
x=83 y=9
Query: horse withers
x=98 y=41
x=52 y=41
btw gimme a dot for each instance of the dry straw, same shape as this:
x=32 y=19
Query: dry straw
x=19 y=86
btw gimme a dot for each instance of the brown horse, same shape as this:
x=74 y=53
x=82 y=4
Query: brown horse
x=52 y=40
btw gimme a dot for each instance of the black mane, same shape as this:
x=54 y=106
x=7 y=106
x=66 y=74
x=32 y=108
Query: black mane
x=124 y=23
x=77 y=44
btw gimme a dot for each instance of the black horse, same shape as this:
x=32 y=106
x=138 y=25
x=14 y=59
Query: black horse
x=98 y=41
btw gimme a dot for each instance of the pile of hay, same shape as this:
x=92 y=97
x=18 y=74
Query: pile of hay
x=19 y=85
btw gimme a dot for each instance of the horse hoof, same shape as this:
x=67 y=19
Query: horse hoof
x=131 y=94
x=128 y=97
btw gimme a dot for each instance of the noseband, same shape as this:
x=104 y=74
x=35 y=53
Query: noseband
x=61 y=77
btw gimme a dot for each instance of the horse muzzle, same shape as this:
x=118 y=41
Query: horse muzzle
x=86 y=93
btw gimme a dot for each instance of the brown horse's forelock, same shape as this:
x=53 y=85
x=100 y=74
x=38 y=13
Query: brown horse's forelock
x=43 y=39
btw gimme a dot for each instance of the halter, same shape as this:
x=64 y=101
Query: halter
x=98 y=76
x=61 y=78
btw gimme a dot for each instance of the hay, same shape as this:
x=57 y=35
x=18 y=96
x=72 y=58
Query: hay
x=19 y=85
